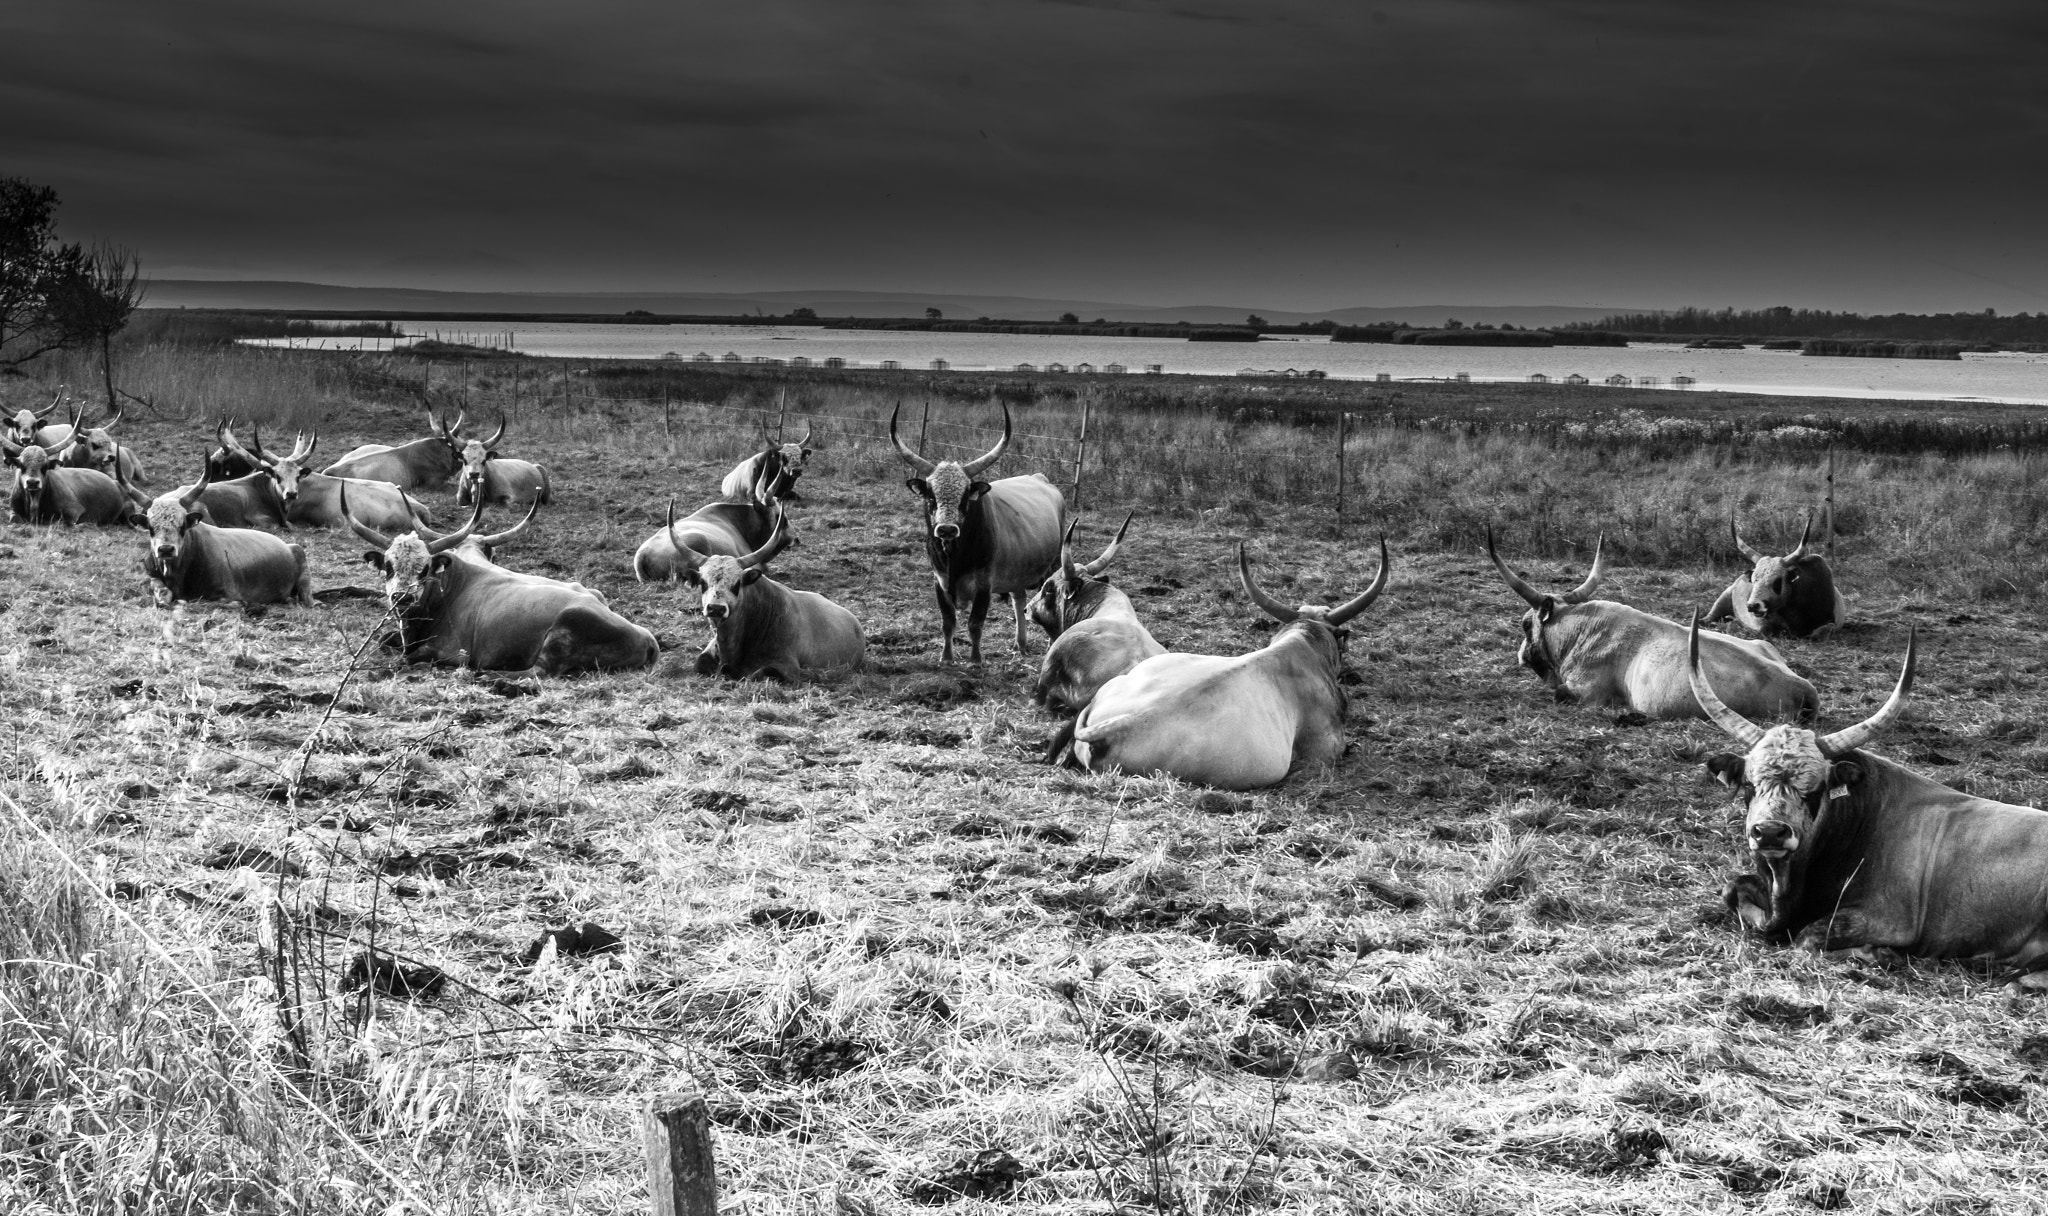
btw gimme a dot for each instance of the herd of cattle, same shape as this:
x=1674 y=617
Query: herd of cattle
x=1850 y=850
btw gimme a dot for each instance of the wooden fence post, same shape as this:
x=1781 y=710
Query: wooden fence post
x=667 y=431
x=926 y=424
x=465 y=384
x=682 y=1178
x=1081 y=447
x=1343 y=428
x=568 y=405
x=782 y=416
x=515 y=390
x=1828 y=502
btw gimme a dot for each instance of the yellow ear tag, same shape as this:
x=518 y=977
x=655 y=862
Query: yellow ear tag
x=1840 y=791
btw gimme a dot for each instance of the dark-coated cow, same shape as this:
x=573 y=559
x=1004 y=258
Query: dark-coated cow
x=1236 y=723
x=45 y=492
x=502 y=480
x=94 y=447
x=983 y=538
x=417 y=464
x=762 y=628
x=190 y=559
x=1793 y=596
x=1603 y=653
x=454 y=605
x=1096 y=635
x=779 y=464
x=720 y=529
x=1857 y=852
x=313 y=500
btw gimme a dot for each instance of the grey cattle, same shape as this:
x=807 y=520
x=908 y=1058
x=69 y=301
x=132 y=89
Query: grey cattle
x=1096 y=635
x=28 y=425
x=419 y=464
x=503 y=480
x=762 y=628
x=45 y=492
x=94 y=447
x=1235 y=723
x=779 y=464
x=1856 y=852
x=313 y=500
x=725 y=529
x=983 y=539
x=1793 y=596
x=190 y=559
x=455 y=605
x=1603 y=653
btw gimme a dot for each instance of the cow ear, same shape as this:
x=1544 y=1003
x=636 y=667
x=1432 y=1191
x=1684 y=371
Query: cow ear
x=1845 y=772
x=373 y=557
x=1727 y=768
x=439 y=564
x=976 y=490
x=1546 y=609
x=751 y=577
x=917 y=484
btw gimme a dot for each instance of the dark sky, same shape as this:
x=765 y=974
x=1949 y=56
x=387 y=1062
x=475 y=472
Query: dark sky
x=1285 y=153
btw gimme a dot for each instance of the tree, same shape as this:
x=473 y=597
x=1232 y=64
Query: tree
x=32 y=263
x=1255 y=321
x=933 y=314
x=93 y=301
x=1067 y=318
x=803 y=314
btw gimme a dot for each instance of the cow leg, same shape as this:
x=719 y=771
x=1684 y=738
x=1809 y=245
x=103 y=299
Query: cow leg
x=707 y=659
x=1017 y=608
x=2033 y=983
x=945 y=618
x=1749 y=898
x=977 y=614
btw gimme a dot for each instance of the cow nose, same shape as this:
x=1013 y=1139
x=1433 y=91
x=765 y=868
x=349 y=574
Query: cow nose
x=715 y=612
x=1770 y=835
x=946 y=531
x=1758 y=608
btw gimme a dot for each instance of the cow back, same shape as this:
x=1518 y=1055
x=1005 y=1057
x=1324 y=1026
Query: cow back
x=1014 y=545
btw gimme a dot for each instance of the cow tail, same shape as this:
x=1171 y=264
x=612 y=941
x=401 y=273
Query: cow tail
x=1060 y=751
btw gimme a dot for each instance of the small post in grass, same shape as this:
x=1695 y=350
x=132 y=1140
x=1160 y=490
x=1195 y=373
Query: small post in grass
x=782 y=416
x=667 y=431
x=1081 y=446
x=1343 y=429
x=682 y=1178
x=925 y=425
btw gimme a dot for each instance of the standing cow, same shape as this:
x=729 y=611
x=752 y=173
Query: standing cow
x=1794 y=595
x=780 y=464
x=1096 y=635
x=1857 y=852
x=762 y=628
x=983 y=539
x=190 y=559
x=1599 y=652
x=1235 y=723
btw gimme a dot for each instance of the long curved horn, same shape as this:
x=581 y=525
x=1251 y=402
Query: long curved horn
x=1068 y=569
x=420 y=526
x=445 y=543
x=43 y=414
x=1742 y=544
x=256 y=436
x=1344 y=612
x=360 y=528
x=1586 y=590
x=230 y=444
x=1274 y=608
x=434 y=425
x=1804 y=533
x=924 y=467
x=691 y=557
x=1856 y=736
x=1095 y=568
x=776 y=542
x=302 y=456
x=460 y=416
x=1745 y=731
x=974 y=467
x=498 y=538
x=77 y=430
x=492 y=443
x=806 y=440
x=190 y=498
x=1528 y=593
x=111 y=423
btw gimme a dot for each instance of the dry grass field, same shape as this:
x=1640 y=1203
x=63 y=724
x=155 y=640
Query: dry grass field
x=1481 y=967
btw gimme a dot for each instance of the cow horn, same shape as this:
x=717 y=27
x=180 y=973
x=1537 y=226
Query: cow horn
x=1528 y=593
x=1586 y=590
x=10 y=449
x=460 y=417
x=492 y=443
x=1741 y=544
x=1344 y=612
x=1848 y=740
x=1068 y=569
x=299 y=456
x=256 y=436
x=691 y=557
x=806 y=440
x=445 y=543
x=1804 y=533
x=1274 y=608
x=434 y=425
x=777 y=541
x=974 y=467
x=43 y=414
x=1095 y=568
x=190 y=498
x=1745 y=731
x=360 y=528
x=498 y=538
x=111 y=423
x=230 y=444
x=77 y=418
x=924 y=467
x=420 y=526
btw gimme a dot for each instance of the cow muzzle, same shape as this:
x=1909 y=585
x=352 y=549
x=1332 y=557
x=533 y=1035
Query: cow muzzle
x=715 y=612
x=1772 y=840
x=947 y=532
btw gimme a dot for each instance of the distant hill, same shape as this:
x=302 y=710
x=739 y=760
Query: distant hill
x=234 y=293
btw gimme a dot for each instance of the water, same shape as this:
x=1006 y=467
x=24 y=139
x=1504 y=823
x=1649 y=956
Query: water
x=2020 y=379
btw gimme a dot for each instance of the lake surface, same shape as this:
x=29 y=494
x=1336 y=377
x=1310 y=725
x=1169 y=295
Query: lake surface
x=2009 y=378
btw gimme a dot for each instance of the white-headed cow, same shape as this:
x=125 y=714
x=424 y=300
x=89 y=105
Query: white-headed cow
x=762 y=628
x=417 y=464
x=779 y=464
x=455 y=605
x=1236 y=723
x=313 y=500
x=501 y=480
x=1603 y=653
x=1793 y=596
x=983 y=538
x=190 y=559
x=45 y=492
x=28 y=425
x=1096 y=635
x=1856 y=852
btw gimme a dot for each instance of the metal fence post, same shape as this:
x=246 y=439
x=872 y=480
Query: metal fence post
x=924 y=425
x=1081 y=446
x=1343 y=428
x=782 y=415
x=567 y=404
x=682 y=1176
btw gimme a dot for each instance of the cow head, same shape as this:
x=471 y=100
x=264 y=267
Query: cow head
x=1535 y=653
x=284 y=471
x=96 y=446
x=789 y=459
x=1315 y=614
x=1789 y=774
x=1065 y=597
x=1795 y=592
x=477 y=453
x=950 y=489
x=720 y=579
x=25 y=422
x=170 y=517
